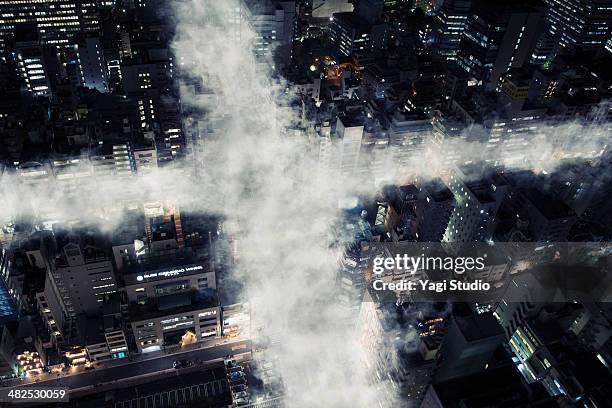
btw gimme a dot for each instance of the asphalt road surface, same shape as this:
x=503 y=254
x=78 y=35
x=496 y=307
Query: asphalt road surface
x=140 y=368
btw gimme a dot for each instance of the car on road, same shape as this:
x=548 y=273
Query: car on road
x=181 y=364
x=242 y=401
x=238 y=381
x=238 y=388
x=241 y=394
x=230 y=362
x=235 y=369
x=236 y=376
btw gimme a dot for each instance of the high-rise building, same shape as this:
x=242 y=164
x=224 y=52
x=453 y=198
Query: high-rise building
x=392 y=358
x=469 y=343
x=83 y=272
x=547 y=352
x=478 y=199
x=349 y=129
x=35 y=64
x=546 y=49
x=580 y=24
x=433 y=210
x=409 y=128
x=449 y=25
x=547 y=218
x=57 y=21
x=79 y=277
x=273 y=23
x=172 y=300
x=499 y=36
x=351 y=35
x=92 y=67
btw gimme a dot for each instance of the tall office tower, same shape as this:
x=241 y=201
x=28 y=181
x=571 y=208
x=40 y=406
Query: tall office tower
x=478 y=199
x=433 y=210
x=82 y=271
x=57 y=21
x=273 y=23
x=92 y=67
x=303 y=12
x=580 y=24
x=469 y=343
x=409 y=129
x=33 y=67
x=449 y=25
x=352 y=257
x=79 y=276
x=546 y=49
x=351 y=35
x=349 y=129
x=498 y=36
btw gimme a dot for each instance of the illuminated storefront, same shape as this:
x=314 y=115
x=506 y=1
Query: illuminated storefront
x=29 y=363
x=77 y=356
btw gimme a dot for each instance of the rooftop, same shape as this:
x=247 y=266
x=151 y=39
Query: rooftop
x=548 y=206
x=352 y=119
x=438 y=190
x=353 y=20
x=158 y=268
x=475 y=326
x=173 y=304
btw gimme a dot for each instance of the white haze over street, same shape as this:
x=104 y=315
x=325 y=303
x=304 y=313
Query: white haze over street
x=279 y=208
x=277 y=201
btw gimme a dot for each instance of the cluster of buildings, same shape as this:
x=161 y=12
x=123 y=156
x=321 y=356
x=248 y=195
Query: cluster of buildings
x=527 y=330
x=448 y=82
x=469 y=120
x=84 y=296
x=488 y=94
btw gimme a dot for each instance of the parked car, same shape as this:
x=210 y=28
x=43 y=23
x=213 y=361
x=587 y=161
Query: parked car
x=240 y=381
x=242 y=401
x=238 y=388
x=241 y=394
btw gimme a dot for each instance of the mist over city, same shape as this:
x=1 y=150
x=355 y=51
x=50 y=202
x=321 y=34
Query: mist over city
x=198 y=199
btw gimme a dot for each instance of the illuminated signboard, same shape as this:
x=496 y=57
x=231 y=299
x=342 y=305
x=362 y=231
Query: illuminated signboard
x=169 y=273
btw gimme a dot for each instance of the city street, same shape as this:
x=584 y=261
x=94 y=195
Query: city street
x=118 y=373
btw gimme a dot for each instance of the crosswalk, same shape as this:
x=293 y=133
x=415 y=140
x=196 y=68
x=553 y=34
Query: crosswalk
x=172 y=398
